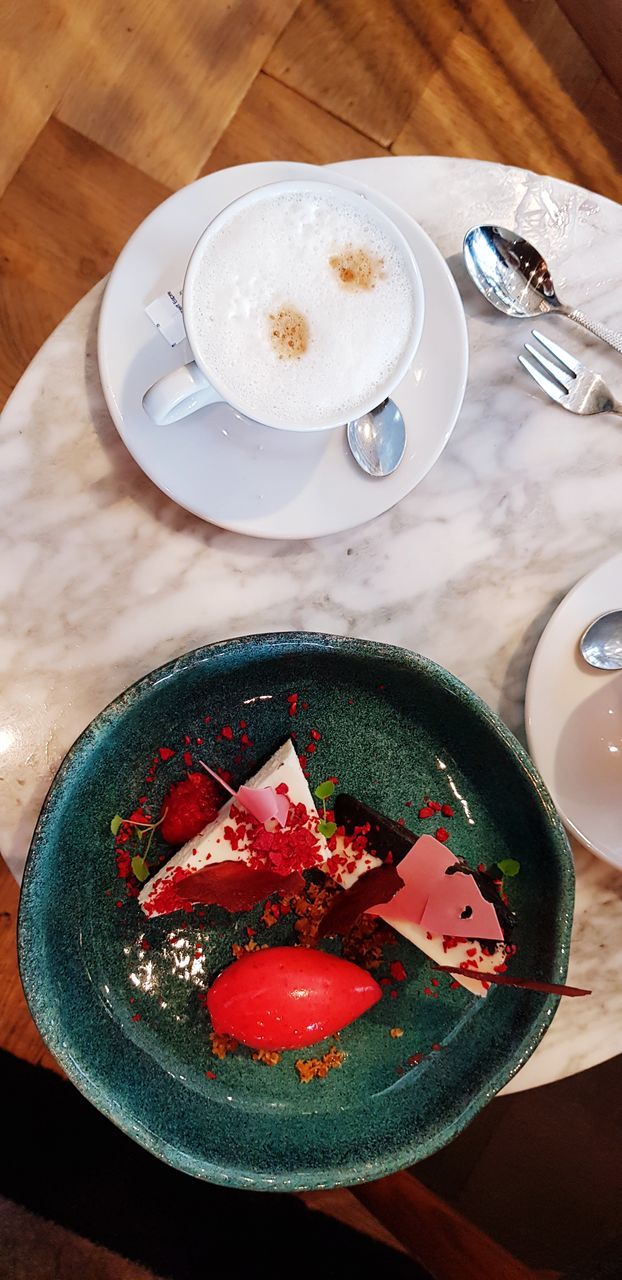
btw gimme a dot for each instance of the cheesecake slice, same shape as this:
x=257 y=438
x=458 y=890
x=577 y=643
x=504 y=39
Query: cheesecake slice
x=232 y=836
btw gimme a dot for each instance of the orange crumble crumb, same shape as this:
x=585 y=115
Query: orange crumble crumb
x=318 y=1068
x=269 y=1057
x=238 y=949
x=365 y=942
x=222 y=1045
x=396 y=1032
x=310 y=906
x=269 y=916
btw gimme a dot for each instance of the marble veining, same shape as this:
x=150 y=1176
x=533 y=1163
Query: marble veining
x=104 y=578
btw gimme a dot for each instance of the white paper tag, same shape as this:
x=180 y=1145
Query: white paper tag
x=166 y=314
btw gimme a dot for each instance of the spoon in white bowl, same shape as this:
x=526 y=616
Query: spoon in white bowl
x=377 y=440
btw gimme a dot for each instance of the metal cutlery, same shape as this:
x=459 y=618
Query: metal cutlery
x=514 y=277
x=566 y=380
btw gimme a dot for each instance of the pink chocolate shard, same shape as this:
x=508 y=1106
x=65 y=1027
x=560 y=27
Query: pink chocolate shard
x=422 y=869
x=437 y=901
x=264 y=803
x=457 y=908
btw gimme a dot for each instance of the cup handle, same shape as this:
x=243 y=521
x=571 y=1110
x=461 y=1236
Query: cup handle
x=179 y=393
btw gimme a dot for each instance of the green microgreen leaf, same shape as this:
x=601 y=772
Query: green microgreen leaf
x=324 y=790
x=509 y=867
x=116 y=824
x=327 y=829
x=139 y=867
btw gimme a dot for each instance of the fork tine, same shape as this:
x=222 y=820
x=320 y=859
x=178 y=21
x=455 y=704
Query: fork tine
x=564 y=357
x=563 y=376
x=552 y=389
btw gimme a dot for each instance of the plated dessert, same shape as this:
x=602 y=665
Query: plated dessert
x=248 y=973
x=335 y=867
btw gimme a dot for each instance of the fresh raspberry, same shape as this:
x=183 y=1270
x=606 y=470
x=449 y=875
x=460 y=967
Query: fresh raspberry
x=190 y=805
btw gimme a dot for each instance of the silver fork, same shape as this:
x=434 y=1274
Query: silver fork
x=568 y=381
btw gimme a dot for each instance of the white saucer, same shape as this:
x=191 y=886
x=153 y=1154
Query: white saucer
x=252 y=479
x=573 y=715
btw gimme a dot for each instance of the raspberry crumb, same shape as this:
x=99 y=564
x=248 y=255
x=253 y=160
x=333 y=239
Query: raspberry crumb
x=397 y=971
x=165 y=753
x=211 y=1075
x=442 y=835
x=227 y=732
x=447 y=811
x=426 y=812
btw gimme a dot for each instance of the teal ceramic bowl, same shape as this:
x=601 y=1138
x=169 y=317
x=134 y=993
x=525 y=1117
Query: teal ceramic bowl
x=117 y=997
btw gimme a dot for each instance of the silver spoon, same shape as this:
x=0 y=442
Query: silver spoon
x=378 y=440
x=514 y=277
x=601 y=642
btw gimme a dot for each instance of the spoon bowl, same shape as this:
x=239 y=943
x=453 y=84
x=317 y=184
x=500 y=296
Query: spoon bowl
x=601 y=642
x=377 y=440
x=512 y=274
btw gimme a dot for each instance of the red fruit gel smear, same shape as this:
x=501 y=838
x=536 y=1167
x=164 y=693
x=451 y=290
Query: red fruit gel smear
x=289 y=997
x=236 y=886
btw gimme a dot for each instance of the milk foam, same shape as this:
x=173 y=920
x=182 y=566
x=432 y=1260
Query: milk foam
x=275 y=254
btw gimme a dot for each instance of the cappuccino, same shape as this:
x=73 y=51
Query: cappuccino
x=301 y=306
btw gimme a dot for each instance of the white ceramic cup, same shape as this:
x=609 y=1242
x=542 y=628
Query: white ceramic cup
x=194 y=385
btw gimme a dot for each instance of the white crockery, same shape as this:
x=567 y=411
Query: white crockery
x=271 y=484
x=573 y=715
x=194 y=385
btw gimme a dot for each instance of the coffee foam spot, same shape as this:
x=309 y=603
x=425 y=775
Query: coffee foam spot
x=289 y=333
x=357 y=268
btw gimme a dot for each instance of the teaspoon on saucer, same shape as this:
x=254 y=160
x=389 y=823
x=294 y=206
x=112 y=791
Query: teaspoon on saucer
x=601 y=642
x=515 y=278
x=377 y=440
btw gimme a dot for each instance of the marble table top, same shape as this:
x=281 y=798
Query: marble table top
x=103 y=578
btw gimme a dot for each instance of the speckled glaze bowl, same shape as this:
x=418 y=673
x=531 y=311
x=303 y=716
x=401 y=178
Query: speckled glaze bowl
x=117 y=997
